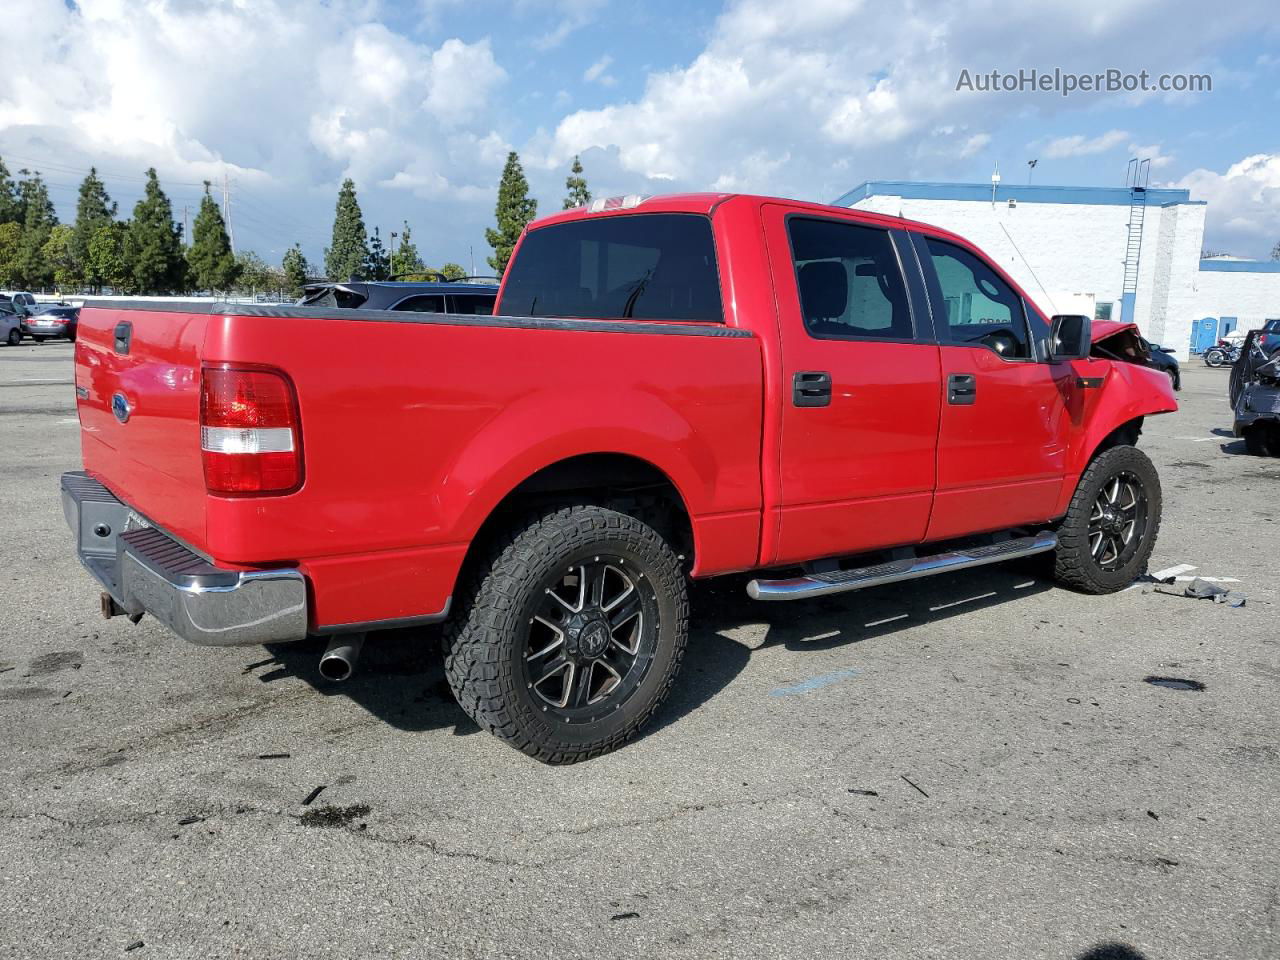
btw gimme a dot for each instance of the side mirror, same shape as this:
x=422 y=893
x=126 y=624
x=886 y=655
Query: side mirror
x=1070 y=337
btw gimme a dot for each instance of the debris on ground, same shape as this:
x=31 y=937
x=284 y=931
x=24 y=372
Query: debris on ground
x=1199 y=589
x=863 y=793
x=137 y=944
x=629 y=915
x=312 y=795
x=330 y=816
x=187 y=821
x=913 y=783
x=273 y=756
x=1174 y=683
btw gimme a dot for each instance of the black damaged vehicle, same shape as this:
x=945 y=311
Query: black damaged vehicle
x=1255 y=397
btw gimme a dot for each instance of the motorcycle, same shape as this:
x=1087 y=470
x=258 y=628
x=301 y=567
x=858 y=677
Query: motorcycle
x=1222 y=354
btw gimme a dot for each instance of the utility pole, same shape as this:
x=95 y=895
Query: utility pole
x=226 y=210
x=1031 y=165
x=186 y=231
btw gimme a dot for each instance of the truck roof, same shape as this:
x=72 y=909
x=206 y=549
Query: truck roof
x=706 y=204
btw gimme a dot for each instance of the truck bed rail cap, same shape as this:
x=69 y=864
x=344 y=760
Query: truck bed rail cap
x=653 y=327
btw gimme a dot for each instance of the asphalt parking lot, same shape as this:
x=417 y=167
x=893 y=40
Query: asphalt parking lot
x=965 y=767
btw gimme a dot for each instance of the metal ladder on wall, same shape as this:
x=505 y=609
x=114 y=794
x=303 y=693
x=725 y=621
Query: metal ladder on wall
x=1136 y=179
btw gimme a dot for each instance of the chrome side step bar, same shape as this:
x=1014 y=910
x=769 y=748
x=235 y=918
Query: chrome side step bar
x=841 y=581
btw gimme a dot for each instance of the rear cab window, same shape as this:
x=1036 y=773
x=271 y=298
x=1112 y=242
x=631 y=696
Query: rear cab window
x=655 y=266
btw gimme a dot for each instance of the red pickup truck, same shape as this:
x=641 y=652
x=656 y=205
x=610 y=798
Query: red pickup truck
x=673 y=387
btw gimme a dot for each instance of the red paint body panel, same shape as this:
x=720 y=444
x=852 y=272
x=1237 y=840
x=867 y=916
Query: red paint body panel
x=413 y=432
x=1002 y=458
x=843 y=468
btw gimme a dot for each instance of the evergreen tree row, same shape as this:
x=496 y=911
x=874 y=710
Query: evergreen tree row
x=146 y=253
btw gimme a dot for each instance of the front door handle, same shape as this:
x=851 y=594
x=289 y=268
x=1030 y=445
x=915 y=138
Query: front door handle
x=811 y=388
x=962 y=389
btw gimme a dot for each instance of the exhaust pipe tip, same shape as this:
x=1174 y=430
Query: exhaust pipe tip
x=339 y=660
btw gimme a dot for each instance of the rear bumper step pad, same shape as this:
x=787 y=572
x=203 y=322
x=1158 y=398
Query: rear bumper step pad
x=147 y=571
x=842 y=581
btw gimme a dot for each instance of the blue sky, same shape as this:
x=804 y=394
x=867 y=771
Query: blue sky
x=420 y=100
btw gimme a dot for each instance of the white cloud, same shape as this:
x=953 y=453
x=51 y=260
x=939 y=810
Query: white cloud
x=1153 y=152
x=975 y=144
x=1079 y=145
x=598 y=72
x=292 y=96
x=573 y=16
x=846 y=90
x=1244 y=204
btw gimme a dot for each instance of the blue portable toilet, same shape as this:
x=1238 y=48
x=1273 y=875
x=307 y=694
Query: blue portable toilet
x=1225 y=326
x=1204 y=334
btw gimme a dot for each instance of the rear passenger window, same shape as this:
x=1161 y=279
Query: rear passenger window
x=429 y=303
x=849 y=280
x=981 y=309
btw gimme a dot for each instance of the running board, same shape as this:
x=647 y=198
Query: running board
x=841 y=581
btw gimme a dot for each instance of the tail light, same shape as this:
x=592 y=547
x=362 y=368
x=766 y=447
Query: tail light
x=249 y=435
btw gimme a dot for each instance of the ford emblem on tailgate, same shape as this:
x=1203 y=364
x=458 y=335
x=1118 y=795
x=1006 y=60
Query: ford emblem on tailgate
x=120 y=407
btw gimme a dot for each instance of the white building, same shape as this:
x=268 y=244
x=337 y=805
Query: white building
x=1113 y=252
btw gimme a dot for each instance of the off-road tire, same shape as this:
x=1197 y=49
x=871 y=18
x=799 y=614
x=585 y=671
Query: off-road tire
x=1074 y=565
x=485 y=641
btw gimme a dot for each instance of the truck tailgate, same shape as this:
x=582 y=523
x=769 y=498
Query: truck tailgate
x=137 y=378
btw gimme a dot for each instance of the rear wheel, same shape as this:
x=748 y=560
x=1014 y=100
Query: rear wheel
x=571 y=635
x=1110 y=529
x=1215 y=357
x=1263 y=439
x=39 y=339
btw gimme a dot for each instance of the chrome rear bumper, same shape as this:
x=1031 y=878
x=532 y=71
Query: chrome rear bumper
x=147 y=571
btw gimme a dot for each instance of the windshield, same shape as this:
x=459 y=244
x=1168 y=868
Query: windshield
x=649 y=266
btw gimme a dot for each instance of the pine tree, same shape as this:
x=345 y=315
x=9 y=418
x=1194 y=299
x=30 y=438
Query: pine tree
x=576 y=184
x=93 y=208
x=10 y=243
x=38 y=221
x=213 y=265
x=349 y=252
x=66 y=269
x=405 y=261
x=378 y=266
x=107 y=256
x=153 y=243
x=9 y=209
x=514 y=211
x=295 y=269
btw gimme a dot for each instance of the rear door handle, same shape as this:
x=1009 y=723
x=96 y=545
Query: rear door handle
x=811 y=388
x=123 y=336
x=962 y=389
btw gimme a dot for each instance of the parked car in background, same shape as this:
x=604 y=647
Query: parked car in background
x=1255 y=397
x=23 y=303
x=1162 y=358
x=10 y=324
x=50 y=321
x=437 y=296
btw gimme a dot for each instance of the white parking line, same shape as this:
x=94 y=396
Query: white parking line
x=876 y=623
x=1208 y=579
x=1173 y=571
x=1199 y=439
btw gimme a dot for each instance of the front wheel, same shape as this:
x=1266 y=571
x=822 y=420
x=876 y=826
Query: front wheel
x=571 y=635
x=1110 y=529
x=15 y=337
x=1215 y=358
